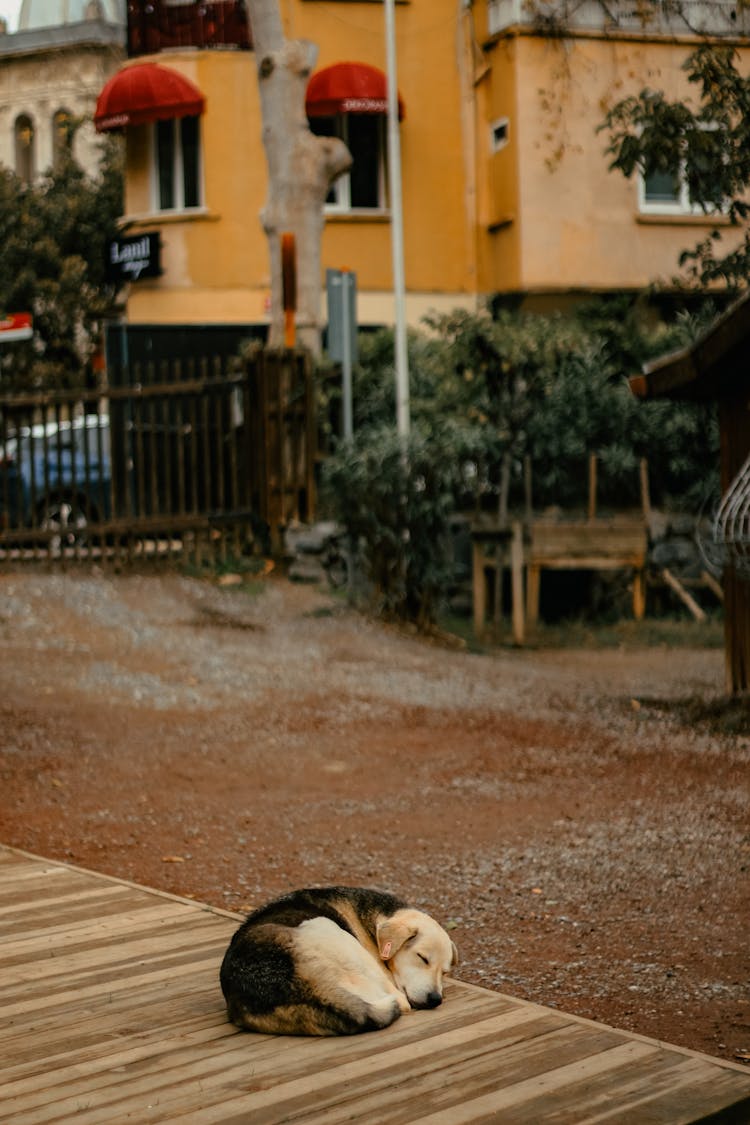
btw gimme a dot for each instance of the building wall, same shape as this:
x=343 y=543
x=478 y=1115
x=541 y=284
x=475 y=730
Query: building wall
x=38 y=77
x=437 y=239
x=218 y=263
x=215 y=260
x=579 y=225
x=539 y=213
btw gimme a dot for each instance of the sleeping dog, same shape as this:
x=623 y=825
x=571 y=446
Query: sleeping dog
x=333 y=961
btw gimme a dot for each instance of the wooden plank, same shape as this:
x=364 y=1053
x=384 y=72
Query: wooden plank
x=479 y=587
x=674 y=584
x=128 y=1024
x=73 y=900
x=444 y=1079
x=91 y=931
x=588 y=562
x=517 y=596
x=161 y=969
x=303 y=1074
x=169 y=1078
x=604 y=539
x=714 y=586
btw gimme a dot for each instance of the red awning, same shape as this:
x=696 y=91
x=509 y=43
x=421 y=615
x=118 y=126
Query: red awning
x=146 y=92
x=348 y=87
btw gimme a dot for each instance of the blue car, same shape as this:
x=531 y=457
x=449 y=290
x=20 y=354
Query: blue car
x=56 y=477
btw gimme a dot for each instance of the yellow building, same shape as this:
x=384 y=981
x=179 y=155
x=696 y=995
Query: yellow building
x=553 y=219
x=506 y=190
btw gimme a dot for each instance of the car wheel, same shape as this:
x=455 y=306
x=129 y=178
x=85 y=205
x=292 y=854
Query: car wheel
x=68 y=518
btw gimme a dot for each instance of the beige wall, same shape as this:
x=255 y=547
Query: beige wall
x=579 y=224
x=41 y=83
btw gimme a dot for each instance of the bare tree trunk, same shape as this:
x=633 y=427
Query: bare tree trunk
x=301 y=168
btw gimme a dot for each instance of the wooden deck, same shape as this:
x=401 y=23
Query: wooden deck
x=110 y=1011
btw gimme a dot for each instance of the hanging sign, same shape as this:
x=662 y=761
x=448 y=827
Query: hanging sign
x=133 y=258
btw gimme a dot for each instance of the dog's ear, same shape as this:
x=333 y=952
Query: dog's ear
x=454 y=961
x=391 y=935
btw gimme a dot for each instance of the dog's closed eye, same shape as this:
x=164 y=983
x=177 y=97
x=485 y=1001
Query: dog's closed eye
x=423 y=958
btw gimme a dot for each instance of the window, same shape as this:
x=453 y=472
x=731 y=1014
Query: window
x=62 y=138
x=667 y=192
x=177 y=164
x=363 y=187
x=499 y=133
x=664 y=193
x=24 y=146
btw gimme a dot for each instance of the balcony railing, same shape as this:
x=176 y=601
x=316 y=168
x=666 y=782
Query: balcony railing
x=158 y=25
x=723 y=18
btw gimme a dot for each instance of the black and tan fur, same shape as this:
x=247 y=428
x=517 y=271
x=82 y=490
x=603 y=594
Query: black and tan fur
x=333 y=961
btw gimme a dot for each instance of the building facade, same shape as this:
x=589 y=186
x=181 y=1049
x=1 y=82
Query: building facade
x=51 y=72
x=506 y=190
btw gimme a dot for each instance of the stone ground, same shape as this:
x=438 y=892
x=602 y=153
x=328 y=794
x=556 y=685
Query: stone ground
x=578 y=827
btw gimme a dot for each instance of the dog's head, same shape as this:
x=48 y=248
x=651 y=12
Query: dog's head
x=418 y=953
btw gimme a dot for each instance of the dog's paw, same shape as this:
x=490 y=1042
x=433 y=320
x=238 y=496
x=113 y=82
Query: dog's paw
x=403 y=1002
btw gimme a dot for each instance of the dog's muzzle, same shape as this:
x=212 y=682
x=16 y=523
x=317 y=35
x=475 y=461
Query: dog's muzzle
x=431 y=1000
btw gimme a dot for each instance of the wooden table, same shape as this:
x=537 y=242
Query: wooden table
x=110 y=1011
x=620 y=543
x=527 y=548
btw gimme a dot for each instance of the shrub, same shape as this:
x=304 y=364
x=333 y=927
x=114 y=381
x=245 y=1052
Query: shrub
x=394 y=499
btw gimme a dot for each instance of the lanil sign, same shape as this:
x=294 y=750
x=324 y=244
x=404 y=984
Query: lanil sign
x=130 y=259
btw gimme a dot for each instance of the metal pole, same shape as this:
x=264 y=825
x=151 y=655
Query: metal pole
x=397 y=227
x=346 y=358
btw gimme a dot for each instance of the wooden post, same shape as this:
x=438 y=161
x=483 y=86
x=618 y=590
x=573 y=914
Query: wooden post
x=479 y=587
x=714 y=586
x=639 y=594
x=497 y=615
x=528 y=488
x=289 y=288
x=645 y=490
x=683 y=595
x=533 y=581
x=516 y=570
x=592 y=486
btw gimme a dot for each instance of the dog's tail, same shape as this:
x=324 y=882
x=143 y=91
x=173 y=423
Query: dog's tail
x=312 y=1018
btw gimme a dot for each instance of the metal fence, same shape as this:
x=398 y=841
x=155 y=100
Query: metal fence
x=198 y=458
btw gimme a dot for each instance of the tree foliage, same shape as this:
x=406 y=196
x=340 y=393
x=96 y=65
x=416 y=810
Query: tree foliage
x=395 y=499
x=709 y=146
x=53 y=235
x=489 y=392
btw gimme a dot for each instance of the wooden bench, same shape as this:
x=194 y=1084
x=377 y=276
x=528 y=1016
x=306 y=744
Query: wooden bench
x=110 y=1012
x=620 y=543
x=526 y=549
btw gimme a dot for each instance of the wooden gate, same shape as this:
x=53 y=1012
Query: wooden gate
x=197 y=458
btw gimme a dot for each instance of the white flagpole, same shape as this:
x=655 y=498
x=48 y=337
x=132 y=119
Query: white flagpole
x=397 y=227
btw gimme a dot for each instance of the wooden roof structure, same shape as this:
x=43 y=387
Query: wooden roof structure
x=716 y=368
x=111 y=1012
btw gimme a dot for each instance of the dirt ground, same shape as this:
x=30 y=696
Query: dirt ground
x=587 y=848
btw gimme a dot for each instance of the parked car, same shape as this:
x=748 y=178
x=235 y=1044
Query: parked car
x=56 y=476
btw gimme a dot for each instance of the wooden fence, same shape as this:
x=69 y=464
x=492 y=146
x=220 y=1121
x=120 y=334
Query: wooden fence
x=200 y=458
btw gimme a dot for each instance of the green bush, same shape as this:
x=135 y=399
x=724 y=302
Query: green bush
x=487 y=392
x=394 y=499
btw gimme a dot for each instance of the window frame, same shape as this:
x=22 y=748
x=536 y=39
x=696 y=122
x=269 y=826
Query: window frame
x=179 y=169
x=62 y=137
x=26 y=174
x=340 y=195
x=499 y=134
x=681 y=204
